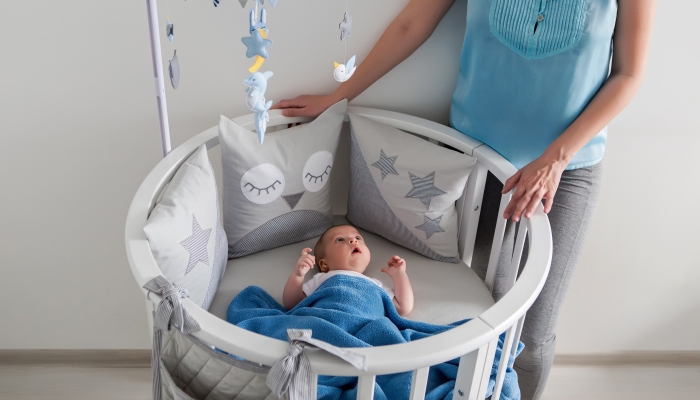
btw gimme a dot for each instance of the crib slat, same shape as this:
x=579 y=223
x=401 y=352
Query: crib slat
x=365 y=387
x=486 y=371
x=470 y=209
x=517 y=255
x=419 y=383
x=314 y=383
x=497 y=243
x=471 y=368
x=518 y=332
x=502 y=365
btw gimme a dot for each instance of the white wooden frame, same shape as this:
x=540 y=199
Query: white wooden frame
x=473 y=342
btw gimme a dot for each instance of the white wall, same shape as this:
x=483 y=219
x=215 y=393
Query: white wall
x=79 y=131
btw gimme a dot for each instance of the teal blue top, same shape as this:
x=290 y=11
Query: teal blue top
x=528 y=68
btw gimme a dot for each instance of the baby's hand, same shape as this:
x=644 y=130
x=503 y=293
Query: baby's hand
x=395 y=265
x=305 y=263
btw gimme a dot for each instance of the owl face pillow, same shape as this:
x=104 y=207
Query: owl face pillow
x=278 y=193
x=404 y=188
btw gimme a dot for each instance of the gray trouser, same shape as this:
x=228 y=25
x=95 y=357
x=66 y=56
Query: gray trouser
x=569 y=218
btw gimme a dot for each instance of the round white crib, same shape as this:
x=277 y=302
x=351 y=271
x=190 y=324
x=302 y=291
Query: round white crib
x=474 y=342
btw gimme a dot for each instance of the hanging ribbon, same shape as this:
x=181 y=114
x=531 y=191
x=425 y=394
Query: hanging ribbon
x=292 y=374
x=170 y=312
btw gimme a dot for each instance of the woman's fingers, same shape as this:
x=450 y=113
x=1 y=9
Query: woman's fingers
x=298 y=112
x=549 y=202
x=293 y=103
x=511 y=182
x=534 y=201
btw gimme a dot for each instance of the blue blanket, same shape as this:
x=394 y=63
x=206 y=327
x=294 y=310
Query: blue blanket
x=351 y=311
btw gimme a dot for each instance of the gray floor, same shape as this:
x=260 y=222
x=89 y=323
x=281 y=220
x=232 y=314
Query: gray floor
x=566 y=383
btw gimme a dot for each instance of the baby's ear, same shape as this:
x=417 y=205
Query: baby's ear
x=322 y=266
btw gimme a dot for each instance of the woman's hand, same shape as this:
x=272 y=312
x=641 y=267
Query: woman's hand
x=305 y=263
x=534 y=182
x=305 y=106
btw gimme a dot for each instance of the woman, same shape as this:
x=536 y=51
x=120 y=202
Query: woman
x=538 y=82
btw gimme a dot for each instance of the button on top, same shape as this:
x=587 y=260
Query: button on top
x=540 y=17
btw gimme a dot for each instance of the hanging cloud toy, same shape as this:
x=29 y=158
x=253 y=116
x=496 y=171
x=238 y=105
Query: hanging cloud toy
x=343 y=72
x=345 y=26
x=257 y=85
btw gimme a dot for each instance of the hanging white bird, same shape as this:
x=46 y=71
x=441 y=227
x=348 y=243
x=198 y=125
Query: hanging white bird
x=343 y=72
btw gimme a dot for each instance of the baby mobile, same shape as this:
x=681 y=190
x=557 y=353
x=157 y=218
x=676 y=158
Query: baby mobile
x=257 y=45
x=173 y=64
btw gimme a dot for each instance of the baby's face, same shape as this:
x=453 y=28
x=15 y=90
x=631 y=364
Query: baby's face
x=345 y=249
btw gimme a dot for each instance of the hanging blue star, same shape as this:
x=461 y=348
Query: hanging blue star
x=197 y=245
x=257 y=46
x=424 y=188
x=430 y=226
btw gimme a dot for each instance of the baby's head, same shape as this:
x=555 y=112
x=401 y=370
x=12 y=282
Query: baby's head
x=341 y=247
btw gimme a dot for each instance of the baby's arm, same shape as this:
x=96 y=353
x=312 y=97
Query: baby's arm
x=403 y=292
x=293 y=293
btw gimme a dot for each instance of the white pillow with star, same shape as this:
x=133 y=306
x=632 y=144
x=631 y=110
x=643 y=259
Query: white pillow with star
x=185 y=233
x=405 y=188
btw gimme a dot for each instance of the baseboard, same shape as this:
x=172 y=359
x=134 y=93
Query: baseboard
x=142 y=358
x=639 y=358
x=97 y=358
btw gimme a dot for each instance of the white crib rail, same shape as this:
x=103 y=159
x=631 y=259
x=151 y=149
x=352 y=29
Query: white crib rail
x=473 y=342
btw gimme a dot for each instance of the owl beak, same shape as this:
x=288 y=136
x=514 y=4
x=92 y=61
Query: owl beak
x=292 y=199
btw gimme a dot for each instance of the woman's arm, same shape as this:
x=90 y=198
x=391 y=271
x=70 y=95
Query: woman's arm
x=406 y=33
x=540 y=178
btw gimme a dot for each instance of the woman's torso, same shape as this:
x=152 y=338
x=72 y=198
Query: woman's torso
x=528 y=69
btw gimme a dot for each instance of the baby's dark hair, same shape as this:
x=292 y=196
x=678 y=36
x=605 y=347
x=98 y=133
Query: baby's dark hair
x=319 y=252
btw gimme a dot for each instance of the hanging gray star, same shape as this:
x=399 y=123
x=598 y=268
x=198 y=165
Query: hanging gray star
x=197 y=245
x=430 y=226
x=424 y=188
x=386 y=164
x=345 y=26
x=244 y=2
x=257 y=46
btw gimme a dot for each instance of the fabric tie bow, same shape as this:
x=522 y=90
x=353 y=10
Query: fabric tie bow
x=170 y=311
x=292 y=374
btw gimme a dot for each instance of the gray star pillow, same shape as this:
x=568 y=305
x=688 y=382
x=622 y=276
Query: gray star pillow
x=185 y=232
x=279 y=192
x=404 y=188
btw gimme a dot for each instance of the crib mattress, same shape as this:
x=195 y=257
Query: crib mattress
x=444 y=292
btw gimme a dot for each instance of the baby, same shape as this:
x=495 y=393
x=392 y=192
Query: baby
x=341 y=250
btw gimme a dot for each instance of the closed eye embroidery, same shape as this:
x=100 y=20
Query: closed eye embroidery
x=316 y=178
x=267 y=189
